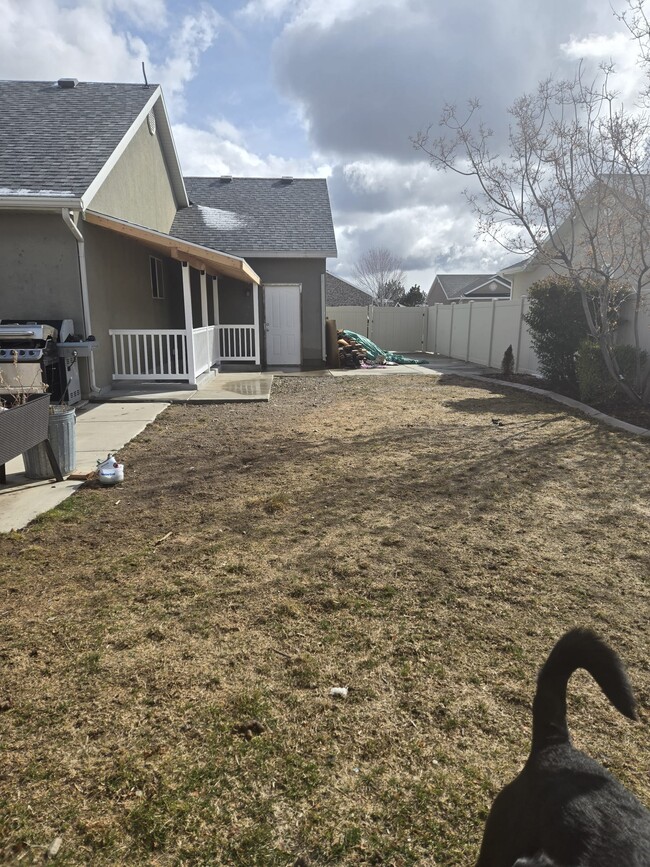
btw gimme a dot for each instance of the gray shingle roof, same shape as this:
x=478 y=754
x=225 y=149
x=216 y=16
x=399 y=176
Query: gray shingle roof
x=340 y=293
x=55 y=140
x=458 y=285
x=258 y=216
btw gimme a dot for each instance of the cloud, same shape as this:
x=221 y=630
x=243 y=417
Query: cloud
x=148 y=13
x=597 y=48
x=369 y=74
x=220 y=149
x=43 y=40
x=412 y=210
x=196 y=33
x=102 y=40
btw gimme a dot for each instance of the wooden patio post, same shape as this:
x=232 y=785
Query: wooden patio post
x=215 y=315
x=256 y=322
x=189 y=325
x=204 y=299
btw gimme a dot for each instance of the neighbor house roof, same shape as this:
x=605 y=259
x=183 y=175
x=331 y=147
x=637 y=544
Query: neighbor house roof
x=57 y=143
x=479 y=285
x=340 y=293
x=259 y=217
x=520 y=265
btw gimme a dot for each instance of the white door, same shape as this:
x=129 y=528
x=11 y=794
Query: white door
x=282 y=311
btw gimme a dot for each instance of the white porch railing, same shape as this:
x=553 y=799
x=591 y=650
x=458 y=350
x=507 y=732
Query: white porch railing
x=158 y=354
x=147 y=353
x=237 y=342
x=206 y=348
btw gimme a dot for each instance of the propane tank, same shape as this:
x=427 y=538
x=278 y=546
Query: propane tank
x=109 y=471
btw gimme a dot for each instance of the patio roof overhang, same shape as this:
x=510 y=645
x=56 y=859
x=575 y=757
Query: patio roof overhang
x=202 y=258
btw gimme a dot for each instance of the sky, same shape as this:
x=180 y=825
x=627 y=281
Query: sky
x=329 y=88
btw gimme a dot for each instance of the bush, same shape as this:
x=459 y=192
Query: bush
x=557 y=325
x=595 y=385
x=508 y=363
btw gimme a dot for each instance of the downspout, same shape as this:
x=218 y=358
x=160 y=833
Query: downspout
x=83 y=279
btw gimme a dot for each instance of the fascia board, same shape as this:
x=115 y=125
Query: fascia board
x=169 y=148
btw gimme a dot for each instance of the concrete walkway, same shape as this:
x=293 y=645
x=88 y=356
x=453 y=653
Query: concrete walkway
x=100 y=429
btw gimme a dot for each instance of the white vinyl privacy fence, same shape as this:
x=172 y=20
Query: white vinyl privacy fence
x=477 y=331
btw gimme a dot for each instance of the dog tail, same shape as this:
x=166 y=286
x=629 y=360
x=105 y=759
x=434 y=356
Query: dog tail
x=579 y=648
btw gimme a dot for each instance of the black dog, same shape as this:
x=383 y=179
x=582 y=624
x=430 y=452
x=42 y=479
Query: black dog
x=564 y=809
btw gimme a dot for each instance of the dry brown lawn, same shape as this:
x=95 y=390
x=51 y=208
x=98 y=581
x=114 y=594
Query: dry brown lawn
x=379 y=533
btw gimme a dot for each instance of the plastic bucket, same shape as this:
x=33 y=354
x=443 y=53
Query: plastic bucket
x=63 y=439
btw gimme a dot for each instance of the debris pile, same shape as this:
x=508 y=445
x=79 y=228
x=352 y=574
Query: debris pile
x=355 y=350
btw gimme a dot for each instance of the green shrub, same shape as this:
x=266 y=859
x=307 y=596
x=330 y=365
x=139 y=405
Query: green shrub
x=508 y=363
x=596 y=386
x=558 y=325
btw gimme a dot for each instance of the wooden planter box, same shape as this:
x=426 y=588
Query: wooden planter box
x=23 y=427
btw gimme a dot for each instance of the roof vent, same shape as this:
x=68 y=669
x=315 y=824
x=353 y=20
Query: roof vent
x=226 y=179
x=67 y=83
x=287 y=179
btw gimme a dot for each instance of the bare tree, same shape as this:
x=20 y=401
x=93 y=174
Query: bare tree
x=382 y=274
x=573 y=191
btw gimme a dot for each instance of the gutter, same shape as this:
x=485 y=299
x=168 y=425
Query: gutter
x=83 y=277
x=39 y=203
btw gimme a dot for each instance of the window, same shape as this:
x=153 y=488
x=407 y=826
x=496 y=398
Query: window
x=157 y=282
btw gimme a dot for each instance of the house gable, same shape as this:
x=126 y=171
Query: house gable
x=494 y=287
x=458 y=287
x=138 y=188
x=58 y=145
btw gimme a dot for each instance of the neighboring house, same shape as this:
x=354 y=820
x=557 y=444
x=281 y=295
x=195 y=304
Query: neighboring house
x=450 y=288
x=523 y=274
x=92 y=200
x=340 y=293
x=606 y=231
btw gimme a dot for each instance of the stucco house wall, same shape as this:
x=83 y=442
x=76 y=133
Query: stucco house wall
x=40 y=268
x=120 y=291
x=522 y=281
x=138 y=188
x=310 y=274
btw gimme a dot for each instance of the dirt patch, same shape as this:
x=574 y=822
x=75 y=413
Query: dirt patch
x=165 y=699
x=621 y=408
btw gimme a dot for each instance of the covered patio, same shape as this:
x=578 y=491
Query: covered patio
x=203 y=341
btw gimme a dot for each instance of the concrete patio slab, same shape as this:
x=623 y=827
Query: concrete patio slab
x=230 y=387
x=218 y=388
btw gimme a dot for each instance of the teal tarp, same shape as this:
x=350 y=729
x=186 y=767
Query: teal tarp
x=378 y=355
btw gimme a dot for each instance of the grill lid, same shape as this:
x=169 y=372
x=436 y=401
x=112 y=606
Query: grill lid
x=32 y=332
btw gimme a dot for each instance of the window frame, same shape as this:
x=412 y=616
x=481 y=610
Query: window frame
x=157 y=278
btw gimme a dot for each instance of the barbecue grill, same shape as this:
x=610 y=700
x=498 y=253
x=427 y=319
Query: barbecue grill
x=30 y=359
